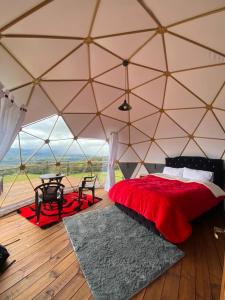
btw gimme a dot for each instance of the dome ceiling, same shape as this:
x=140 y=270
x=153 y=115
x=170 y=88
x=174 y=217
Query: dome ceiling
x=66 y=57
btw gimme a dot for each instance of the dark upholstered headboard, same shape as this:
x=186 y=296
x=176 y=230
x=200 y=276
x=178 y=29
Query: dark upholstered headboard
x=199 y=163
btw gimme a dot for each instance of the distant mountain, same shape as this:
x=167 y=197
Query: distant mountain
x=13 y=156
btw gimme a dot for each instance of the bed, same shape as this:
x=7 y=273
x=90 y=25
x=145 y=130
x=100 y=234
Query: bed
x=167 y=204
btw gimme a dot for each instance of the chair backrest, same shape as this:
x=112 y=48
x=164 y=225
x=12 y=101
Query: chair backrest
x=51 y=191
x=89 y=181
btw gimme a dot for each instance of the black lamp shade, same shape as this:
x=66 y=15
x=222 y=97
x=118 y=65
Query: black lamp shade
x=125 y=106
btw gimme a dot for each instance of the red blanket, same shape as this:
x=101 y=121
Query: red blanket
x=170 y=204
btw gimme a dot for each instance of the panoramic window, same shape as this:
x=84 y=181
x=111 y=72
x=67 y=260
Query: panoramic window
x=48 y=146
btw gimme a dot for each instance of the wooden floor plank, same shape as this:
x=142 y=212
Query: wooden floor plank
x=203 y=288
x=26 y=266
x=172 y=282
x=140 y=295
x=47 y=268
x=37 y=252
x=187 y=278
x=71 y=288
x=214 y=267
x=43 y=284
x=67 y=273
x=84 y=293
x=25 y=288
x=154 y=290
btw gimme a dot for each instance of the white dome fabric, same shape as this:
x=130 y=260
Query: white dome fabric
x=66 y=57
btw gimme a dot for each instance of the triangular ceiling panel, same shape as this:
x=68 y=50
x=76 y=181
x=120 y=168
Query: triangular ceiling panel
x=39 y=54
x=114 y=112
x=139 y=75
x=136 y=136
x=212 y=148
x=39 y=100
x=115 y=77
x=124 y=135
x=83 y=103
x=152 y=54
x=130 y=156
x=75 y=66
x=179 y=97
x=105 y=94
x=220 y=114
x=203 y=82
x=94 y=130
x=125 y=45
x=192 y=55
x=172 y=11
x=13 y=74
x=22 y=94
x=192 y=149
x=108 y=60
x=155 y=155
x=173 y=147
x=61 y=92
x=111 y=125
x=140 y=170
x=141 y=149
x=208 y=31
x=183 y=117
x=77 y=122
x=140 y=108
x=121 y=16
x=121 y=150
x=148 y=125
x=54 y=18
x=13 y=11
x=209 y=127
x=168 y=128
x=220 y=100
x=153 y=91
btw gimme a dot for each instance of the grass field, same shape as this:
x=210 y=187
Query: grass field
x=22 y=176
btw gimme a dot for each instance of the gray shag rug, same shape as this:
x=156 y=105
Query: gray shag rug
x=118 y=256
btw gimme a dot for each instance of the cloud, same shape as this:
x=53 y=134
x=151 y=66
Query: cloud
x=33 y=136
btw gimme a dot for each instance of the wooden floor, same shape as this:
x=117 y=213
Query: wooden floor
x=46 y=266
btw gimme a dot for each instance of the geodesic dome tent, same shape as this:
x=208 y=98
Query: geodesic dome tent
x=81 y=59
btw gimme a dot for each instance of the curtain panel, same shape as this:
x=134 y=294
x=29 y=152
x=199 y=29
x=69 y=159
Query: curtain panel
x=11 y=120
x=113 y=148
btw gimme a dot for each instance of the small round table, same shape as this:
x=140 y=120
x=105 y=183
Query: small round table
x=52 y=177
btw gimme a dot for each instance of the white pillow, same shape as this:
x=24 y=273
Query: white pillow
x=178 y=172
x=197 y=174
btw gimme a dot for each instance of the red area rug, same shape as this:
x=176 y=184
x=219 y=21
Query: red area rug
x=49 y=215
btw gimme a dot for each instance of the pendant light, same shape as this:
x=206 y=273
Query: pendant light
x=125 y=106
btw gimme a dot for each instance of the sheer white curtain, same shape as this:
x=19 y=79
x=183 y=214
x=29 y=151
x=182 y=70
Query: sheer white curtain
x=11 y=120
x=113 y=147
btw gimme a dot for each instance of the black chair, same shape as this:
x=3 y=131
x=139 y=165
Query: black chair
x=51 y=192
x=87 y=184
